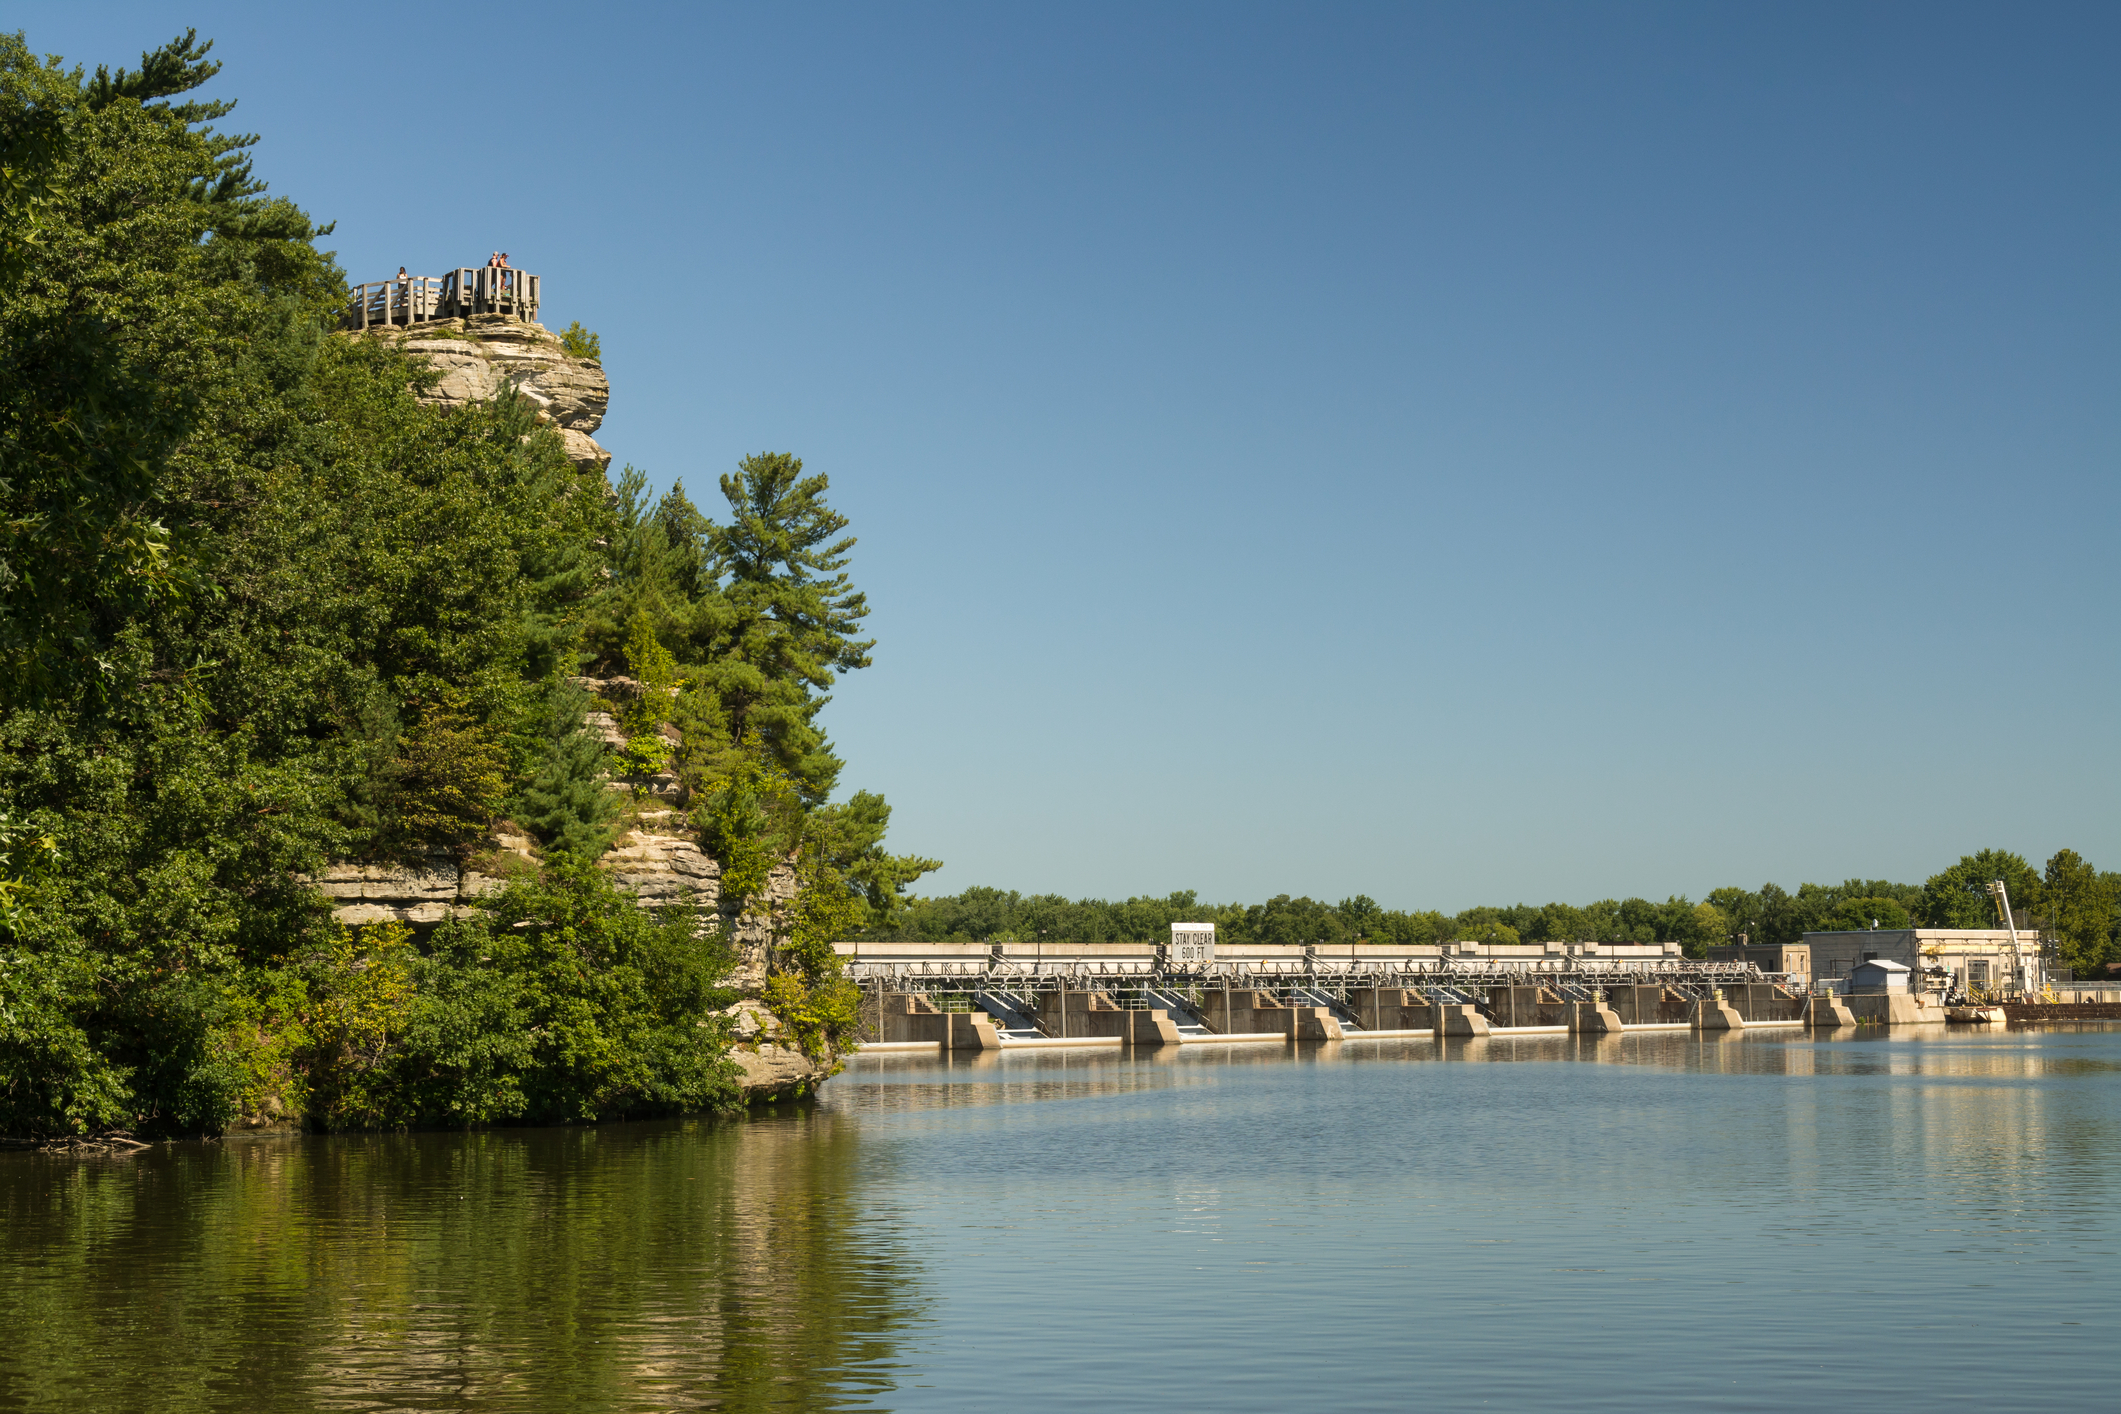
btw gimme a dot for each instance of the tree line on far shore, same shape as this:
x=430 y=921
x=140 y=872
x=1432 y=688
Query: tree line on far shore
x=2069 y=900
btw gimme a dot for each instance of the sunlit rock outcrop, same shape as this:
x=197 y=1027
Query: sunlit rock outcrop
x=479 y=356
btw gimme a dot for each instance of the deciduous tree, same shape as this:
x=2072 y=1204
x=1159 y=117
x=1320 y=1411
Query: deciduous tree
x=2080 y=902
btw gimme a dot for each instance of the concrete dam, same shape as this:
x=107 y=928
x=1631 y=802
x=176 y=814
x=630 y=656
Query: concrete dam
x=979 y=996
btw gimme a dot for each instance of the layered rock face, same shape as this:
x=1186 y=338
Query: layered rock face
x=662 y=869
x=663 y=785
x=362 y=894
x=420 y=895
x=772 y=1066
x=480 y=356
x=658 y=868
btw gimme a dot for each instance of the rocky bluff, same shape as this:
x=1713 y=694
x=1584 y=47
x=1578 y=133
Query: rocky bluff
x=655 y=858
x=481 y=355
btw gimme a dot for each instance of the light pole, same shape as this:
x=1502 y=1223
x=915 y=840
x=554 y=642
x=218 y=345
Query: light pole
x=1061 y=985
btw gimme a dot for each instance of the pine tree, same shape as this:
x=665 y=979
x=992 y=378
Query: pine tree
x=566 y=804
x=789 y=613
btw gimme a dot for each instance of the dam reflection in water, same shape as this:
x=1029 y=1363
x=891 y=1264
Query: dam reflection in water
x=1745 y=1221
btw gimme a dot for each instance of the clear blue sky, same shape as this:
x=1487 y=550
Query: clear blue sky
x=1458 y=453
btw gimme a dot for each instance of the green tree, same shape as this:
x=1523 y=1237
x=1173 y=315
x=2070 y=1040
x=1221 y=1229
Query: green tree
x=1958 y=897
x=261 y=609
x=450 y=774
x=580 y=342
x=1418 y=929
x=1556 y=922
x=1291 y=921
x=849 y=840
x=643 y=715
x=1362 y=914
x=742 y=828
x=808 y=987
x=559 y=1000
x=2080 y=901
x=134 y=243
x=1770 y=914
x=566 y=804
x=788 y=616
x=344 y=648
x=1484 y=925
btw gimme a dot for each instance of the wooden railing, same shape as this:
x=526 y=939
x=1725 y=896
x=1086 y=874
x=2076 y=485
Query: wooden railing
x=417 y=299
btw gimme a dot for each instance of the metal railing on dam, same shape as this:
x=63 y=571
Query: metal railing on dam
x=1270 y=965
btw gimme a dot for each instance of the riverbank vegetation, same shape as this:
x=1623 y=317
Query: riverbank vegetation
x=262 y=609
x=2075 y=903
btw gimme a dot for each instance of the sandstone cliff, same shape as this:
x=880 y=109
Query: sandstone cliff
x=659 y=865
x=481 y=355
x=655 y=858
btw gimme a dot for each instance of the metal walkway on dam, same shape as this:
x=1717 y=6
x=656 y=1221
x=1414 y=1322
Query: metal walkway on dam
x=976 y=996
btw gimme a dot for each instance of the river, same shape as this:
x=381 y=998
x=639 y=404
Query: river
x=1759 y=1221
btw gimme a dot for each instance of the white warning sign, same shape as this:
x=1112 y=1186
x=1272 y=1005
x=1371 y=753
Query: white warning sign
x=1192 y=943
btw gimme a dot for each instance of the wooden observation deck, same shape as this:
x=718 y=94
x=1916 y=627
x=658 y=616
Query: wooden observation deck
x=454 y=294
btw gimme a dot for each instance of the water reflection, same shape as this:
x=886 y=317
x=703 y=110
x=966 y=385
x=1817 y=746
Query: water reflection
x=1657 y=1219
x=675 y=1265
x=1652 y=1219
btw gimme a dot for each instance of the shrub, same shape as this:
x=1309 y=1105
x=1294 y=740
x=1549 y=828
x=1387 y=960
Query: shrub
x=449 y=777
x=53 y=1081
x=645 y=754
x=580 y=342
x=362 y=990
x=562 y=999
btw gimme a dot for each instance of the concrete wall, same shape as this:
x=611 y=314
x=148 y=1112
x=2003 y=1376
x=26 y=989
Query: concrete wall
x=1389 y=1009
x=1593 y=1018
x=1232 y=1012
x=1525 y=1006
x=1079 y=1013
x=2065 y=1011
x=1087 y=1014
x=909 y=1016
x=1765 y=1001
x=1448 y=1019
x=1243 y=1010
x=1647 y=1005
x=1890 y=1008
x=1827 y=1012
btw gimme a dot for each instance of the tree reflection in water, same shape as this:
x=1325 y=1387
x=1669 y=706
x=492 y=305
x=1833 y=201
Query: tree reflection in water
x=677 y=1265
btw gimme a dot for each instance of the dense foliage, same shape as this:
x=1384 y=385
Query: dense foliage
x=262 y=609
x=2075 y=905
